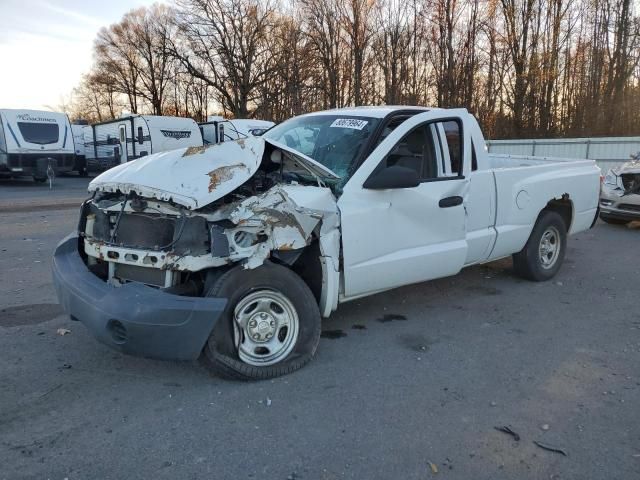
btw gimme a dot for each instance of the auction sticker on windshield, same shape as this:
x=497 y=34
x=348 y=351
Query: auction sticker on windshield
x=349 y=123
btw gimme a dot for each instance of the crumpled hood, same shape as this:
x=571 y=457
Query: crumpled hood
x=629 y=167
x=196 y=176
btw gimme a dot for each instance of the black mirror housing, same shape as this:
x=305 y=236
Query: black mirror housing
x=392 y=177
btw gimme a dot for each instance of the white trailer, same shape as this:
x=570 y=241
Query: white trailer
x=129 y=137
x=80 y=164
x=34 y=142
x=217 y=129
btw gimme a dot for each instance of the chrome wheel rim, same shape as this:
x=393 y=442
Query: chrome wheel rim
x=549 y=248
x=265 y=327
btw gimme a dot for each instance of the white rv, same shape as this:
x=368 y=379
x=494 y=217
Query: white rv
x=123 y=139
x=80 y=164
x=34 y=142
x=217 y=129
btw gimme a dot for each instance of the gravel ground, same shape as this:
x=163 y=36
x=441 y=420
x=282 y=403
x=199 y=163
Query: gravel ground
x=404 y=383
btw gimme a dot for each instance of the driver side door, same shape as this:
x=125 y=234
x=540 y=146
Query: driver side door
x=398 y=236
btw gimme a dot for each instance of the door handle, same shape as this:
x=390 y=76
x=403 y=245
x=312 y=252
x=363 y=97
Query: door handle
x=450 y=202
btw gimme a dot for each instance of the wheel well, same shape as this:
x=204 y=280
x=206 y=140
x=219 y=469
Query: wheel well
x=564 y=207
x=309 y=268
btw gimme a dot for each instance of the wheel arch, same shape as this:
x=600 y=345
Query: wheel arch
x=563 y=206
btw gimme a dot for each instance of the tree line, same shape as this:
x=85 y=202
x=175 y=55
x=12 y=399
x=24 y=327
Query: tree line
x=525 y=68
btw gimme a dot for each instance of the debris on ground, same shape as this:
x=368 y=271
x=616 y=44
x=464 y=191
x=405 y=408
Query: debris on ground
x=551 y=448
x=434 y=467
x=63 y=331
x=544 y=426
x=333 y=334
x=359 y=327
x=509 y=431
x=493 y=404
x=390 y=317
x=268 y=402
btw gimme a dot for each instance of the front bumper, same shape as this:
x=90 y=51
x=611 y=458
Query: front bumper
x=133 y=318
x=625 y=207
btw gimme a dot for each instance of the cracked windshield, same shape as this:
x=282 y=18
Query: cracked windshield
x=334 y=141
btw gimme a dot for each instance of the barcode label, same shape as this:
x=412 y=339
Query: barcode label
x=349 y=123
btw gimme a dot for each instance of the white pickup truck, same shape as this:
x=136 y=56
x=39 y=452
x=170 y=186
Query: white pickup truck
x=233 y=252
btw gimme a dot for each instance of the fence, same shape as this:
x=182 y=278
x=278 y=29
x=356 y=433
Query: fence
x=608 y=152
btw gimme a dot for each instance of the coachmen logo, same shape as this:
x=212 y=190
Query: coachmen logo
x=177 y=134
x=25 y=117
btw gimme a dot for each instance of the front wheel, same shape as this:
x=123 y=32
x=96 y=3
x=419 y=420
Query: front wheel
x=270 y=327
x=542 y=256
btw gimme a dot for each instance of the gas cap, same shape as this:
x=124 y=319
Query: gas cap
x=522 y=199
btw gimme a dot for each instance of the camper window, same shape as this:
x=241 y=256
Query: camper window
x=140 y=136
x=122 y=135
x=40 y=133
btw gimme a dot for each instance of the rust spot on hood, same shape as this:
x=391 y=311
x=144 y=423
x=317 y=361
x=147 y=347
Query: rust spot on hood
x=222 y=174
x=194 y=151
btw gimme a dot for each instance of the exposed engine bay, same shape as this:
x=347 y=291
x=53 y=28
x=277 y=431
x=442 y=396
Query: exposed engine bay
x=278 y=210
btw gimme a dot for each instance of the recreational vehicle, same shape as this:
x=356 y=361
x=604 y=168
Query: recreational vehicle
x=35 y=143
x=217 y=129
x=80 y=164
x=123 y=139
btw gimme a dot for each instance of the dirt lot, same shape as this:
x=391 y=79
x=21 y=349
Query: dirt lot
x=417 y=376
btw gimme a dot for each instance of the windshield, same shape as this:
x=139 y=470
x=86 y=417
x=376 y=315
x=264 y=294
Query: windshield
x=335 y=141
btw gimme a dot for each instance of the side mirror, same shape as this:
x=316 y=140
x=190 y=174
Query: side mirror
x=392 y=177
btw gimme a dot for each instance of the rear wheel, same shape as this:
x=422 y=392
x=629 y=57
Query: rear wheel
x=613 y=221
x=271 y=325
x=542 y=256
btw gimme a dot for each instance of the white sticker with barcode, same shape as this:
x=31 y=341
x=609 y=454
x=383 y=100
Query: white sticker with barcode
x=349 y=123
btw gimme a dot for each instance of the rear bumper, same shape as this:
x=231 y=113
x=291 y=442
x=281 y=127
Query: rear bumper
x=133 y=318
x=36 y=164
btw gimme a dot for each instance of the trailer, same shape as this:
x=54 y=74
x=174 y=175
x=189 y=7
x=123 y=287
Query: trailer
x=80 y=163
x=218 y=129
x=129 y=137
x=35 y=143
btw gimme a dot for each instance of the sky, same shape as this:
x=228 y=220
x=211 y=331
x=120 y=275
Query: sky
x=46 y=46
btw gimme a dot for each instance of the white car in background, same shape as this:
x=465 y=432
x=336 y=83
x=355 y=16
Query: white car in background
x=620 y=194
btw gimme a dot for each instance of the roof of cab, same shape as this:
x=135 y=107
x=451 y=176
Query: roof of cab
x=370 y=111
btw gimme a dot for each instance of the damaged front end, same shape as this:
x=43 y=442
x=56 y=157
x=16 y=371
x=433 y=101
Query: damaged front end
x=158 y=232
x=620 y=194
x=254 y=201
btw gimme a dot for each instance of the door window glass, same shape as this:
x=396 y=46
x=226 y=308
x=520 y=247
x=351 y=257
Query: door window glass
x=416 y=151
x=140 y=136
x=122 y=135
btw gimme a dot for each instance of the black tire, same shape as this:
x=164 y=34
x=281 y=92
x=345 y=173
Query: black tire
x=39 y=179
x=220 y=354
x=528 y=263
x=613 y=221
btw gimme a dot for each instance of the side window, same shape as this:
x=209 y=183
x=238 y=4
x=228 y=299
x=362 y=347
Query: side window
x=416 y=150
x=453 y=135
x=122 y=135
x=140 y=136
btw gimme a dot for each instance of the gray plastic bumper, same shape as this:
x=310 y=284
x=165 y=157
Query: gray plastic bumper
x=133 y=318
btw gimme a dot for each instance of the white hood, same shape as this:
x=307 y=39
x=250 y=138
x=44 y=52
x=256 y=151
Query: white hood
x=196 y=176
